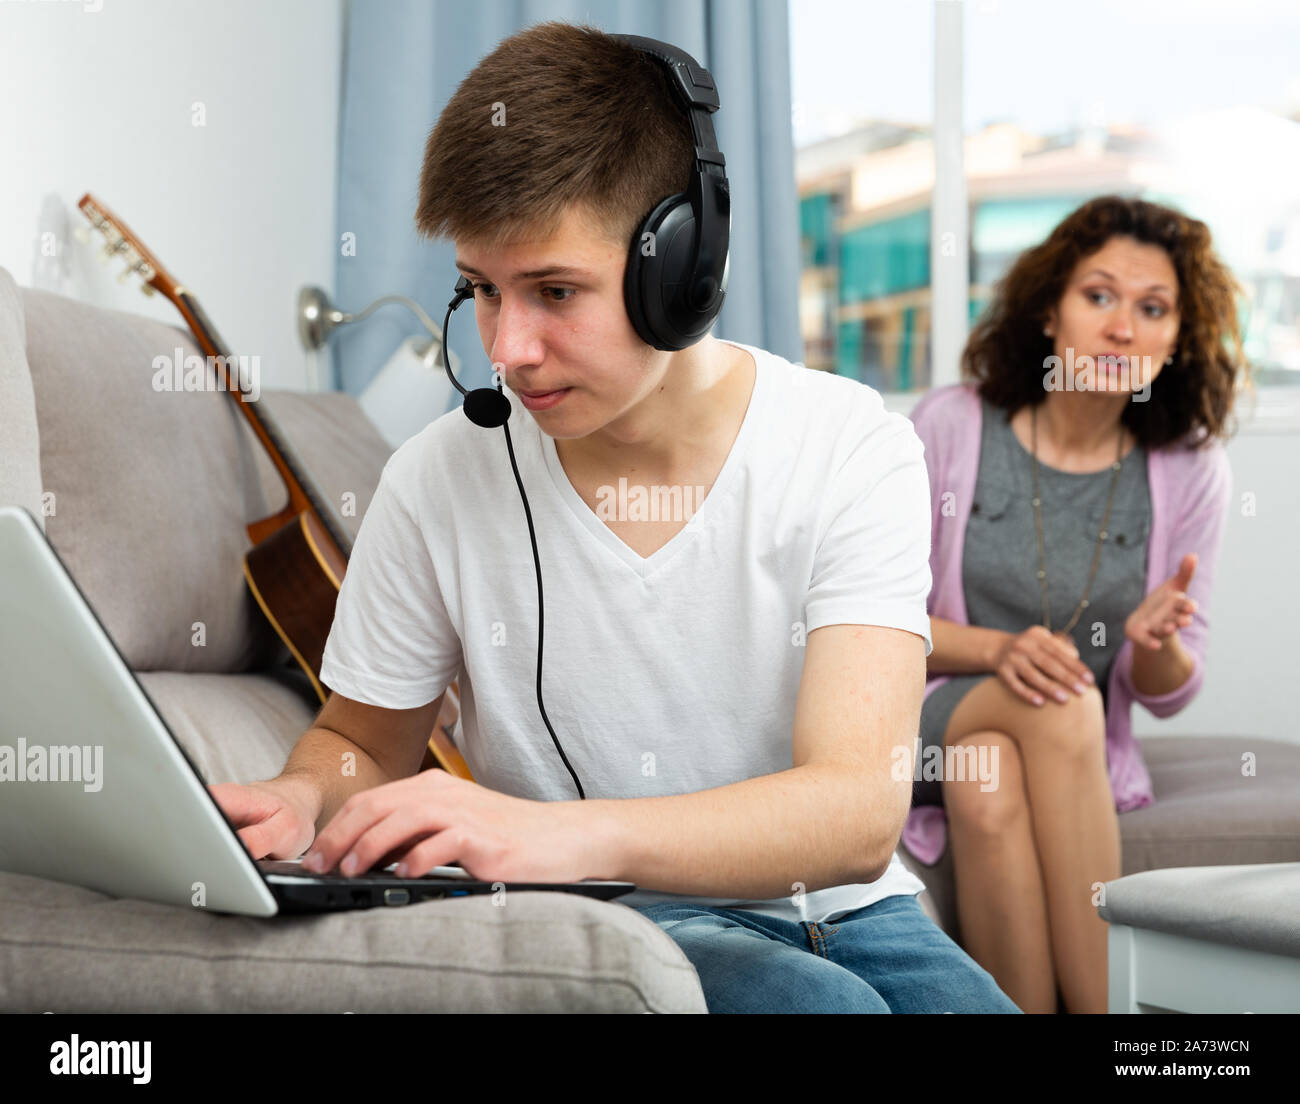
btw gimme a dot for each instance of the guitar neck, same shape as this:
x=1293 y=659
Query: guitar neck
x=304 y=495
x=297 y=480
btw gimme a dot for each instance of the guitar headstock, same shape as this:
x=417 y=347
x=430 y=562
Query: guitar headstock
x=120 y=241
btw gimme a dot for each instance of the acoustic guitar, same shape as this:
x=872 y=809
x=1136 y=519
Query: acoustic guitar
x=300 y=554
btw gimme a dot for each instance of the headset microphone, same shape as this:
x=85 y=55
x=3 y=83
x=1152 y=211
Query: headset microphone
x=483 y=406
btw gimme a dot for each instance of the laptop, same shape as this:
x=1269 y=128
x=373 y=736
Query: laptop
x=95 y=789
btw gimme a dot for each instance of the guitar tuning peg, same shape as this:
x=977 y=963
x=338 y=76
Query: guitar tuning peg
x=82 y=234
x=115 y=244
x=147 y=289
x=134 y=262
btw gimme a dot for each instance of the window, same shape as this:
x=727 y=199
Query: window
x=1186 y=102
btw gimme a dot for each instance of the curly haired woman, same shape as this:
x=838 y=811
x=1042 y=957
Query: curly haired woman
x=1079 y=488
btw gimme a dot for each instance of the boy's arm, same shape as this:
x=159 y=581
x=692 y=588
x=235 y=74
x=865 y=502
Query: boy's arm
x=352 y=747
x=834 y=818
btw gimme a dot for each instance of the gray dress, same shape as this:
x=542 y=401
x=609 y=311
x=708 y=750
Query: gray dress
x=1000 y=562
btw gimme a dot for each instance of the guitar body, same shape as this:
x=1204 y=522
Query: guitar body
x=295 y=575
x=300 y=555
x=297 y=585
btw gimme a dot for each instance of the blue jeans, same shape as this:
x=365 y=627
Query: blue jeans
x=887 y=957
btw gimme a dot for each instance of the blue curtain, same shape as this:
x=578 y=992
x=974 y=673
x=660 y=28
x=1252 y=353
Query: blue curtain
x=403 y=61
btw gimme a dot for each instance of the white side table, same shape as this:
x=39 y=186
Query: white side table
x=1205 y=939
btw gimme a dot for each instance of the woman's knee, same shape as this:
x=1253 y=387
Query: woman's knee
x=1073 y=729
x=985 y=789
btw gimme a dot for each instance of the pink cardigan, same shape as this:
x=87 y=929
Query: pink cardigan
x=1190 y=496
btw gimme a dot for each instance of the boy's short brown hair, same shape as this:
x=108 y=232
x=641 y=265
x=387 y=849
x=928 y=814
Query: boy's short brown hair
x=588 y=120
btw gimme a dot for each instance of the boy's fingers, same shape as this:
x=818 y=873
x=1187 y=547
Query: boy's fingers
x=241 y=803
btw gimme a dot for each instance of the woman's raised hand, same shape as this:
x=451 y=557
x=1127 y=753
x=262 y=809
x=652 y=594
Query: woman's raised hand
x=1037 y=660
x=1163 y=610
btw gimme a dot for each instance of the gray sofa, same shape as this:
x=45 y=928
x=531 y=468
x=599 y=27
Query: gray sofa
x=145 y=496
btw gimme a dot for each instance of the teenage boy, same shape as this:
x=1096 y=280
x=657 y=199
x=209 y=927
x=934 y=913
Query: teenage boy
x=736 y=684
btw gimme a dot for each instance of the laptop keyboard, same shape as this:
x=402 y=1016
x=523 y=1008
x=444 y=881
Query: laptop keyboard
x=294 y=868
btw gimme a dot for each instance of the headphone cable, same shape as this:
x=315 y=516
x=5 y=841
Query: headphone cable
x=532 y=538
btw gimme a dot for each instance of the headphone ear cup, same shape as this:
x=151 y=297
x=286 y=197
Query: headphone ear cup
x=655 y=288
x=643 y=280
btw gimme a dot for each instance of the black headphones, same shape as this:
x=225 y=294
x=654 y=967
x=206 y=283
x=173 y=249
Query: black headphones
x=674 y=292
x=678 y=264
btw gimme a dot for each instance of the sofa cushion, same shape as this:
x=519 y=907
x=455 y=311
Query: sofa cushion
x=68 y=949
x=1252 y=906
x=20 y=454
x=337 y=443
x=150 y=488
x=234 y=728
x=153 y=488
x=1208 y=812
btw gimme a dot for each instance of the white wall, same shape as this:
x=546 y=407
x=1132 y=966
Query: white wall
x=1251 y=675
x=98 y=95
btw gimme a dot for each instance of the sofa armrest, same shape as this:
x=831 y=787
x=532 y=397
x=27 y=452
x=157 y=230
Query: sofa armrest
x=20 y=458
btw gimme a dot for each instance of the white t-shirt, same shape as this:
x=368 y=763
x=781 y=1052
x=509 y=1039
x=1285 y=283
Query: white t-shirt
x=662 y=675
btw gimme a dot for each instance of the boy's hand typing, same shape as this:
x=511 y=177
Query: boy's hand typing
x=274 y=820
x=434 y=819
